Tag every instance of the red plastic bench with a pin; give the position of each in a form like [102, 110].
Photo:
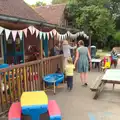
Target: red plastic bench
[54, 110]
[15, 111]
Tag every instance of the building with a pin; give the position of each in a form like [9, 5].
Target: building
[53, 14]
[17, 15]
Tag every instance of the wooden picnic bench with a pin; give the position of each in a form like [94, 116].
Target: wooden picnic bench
[111, 76]
[97, 86]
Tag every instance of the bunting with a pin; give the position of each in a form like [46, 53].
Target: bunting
[7, 33]
[42, 35]
[20, 33]
[37, 33]
[14, 34]
[1, 29]
[25, 32]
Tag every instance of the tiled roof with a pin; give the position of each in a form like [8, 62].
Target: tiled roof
[51, 13]
[19, 9]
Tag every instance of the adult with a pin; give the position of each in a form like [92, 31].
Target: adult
[114, 57]
[56, 49]
[66, 50]
[82, 56]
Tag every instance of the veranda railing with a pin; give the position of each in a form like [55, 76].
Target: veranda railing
[25, 77]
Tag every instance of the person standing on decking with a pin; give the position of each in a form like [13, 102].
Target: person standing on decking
[66, 51]
[56, 49]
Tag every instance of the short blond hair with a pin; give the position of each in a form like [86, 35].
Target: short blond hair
[69, 60]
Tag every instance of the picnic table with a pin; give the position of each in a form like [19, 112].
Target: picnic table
[111, 76]
[34, 104]
[97, 63]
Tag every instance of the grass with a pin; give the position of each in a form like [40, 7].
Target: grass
[101, 53]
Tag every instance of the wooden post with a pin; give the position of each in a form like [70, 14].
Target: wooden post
[41, 56]
[90, 43]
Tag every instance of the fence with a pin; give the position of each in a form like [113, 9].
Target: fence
[25, 77]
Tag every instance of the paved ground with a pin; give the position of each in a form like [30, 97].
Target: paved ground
[79, 104]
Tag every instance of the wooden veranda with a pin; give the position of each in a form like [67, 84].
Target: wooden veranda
[25, 77]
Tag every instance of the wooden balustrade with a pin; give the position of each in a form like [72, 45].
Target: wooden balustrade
[25, 77]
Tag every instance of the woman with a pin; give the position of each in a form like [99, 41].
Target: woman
[114, 57]
[56, 49]
[82, 55]
[66, 51]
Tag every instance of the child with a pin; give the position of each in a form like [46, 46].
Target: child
[69, 69]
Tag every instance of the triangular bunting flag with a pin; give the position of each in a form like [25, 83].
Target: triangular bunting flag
[59, 37]
[87, 37]
[20, 32]
[44, 35]
[40, 35]
[68, 33]
[34, 29]
[25, 32]
[51, 34]
[14, 33]
[37, 32]
[31, 29]
[63, 36]
[7, 33]
[1, 30]
[54, 32]
[48, 35]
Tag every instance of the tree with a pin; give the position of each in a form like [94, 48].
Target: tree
[38, 4]
[92, 17]
[59, 1]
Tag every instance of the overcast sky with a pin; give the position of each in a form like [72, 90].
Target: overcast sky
[31, 2]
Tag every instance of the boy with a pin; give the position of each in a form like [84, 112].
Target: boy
[69, 71]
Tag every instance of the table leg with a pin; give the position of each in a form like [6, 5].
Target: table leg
[113, 86]
[43, 85]
[35, 116]
[99, 90]
[54, 87]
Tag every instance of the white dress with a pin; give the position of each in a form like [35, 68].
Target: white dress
[66, 52]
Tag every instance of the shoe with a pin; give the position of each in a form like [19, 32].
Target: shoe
[68, 88]
[85, 84]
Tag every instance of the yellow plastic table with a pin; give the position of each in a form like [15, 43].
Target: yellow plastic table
[34, 104]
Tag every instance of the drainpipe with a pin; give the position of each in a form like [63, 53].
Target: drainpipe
[15, 19]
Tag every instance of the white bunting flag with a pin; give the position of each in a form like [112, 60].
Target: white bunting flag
[44, 35]
[25, 32]
[1, 30]
[68, 33]
[40, 35]
[51, 34]
[37, 32]
[7, 33]
[20, 32]
[34, 29]
[48, 35]
[54, 32]
[14, 34]
[31, 29]
[59, 37]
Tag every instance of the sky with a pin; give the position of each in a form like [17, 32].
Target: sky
[31, 2]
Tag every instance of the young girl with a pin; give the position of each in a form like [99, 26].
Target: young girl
[69, 71]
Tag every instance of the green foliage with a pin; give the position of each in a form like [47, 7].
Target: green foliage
[38, 4]
[117, 36]
[59, 1]
[92, 17]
